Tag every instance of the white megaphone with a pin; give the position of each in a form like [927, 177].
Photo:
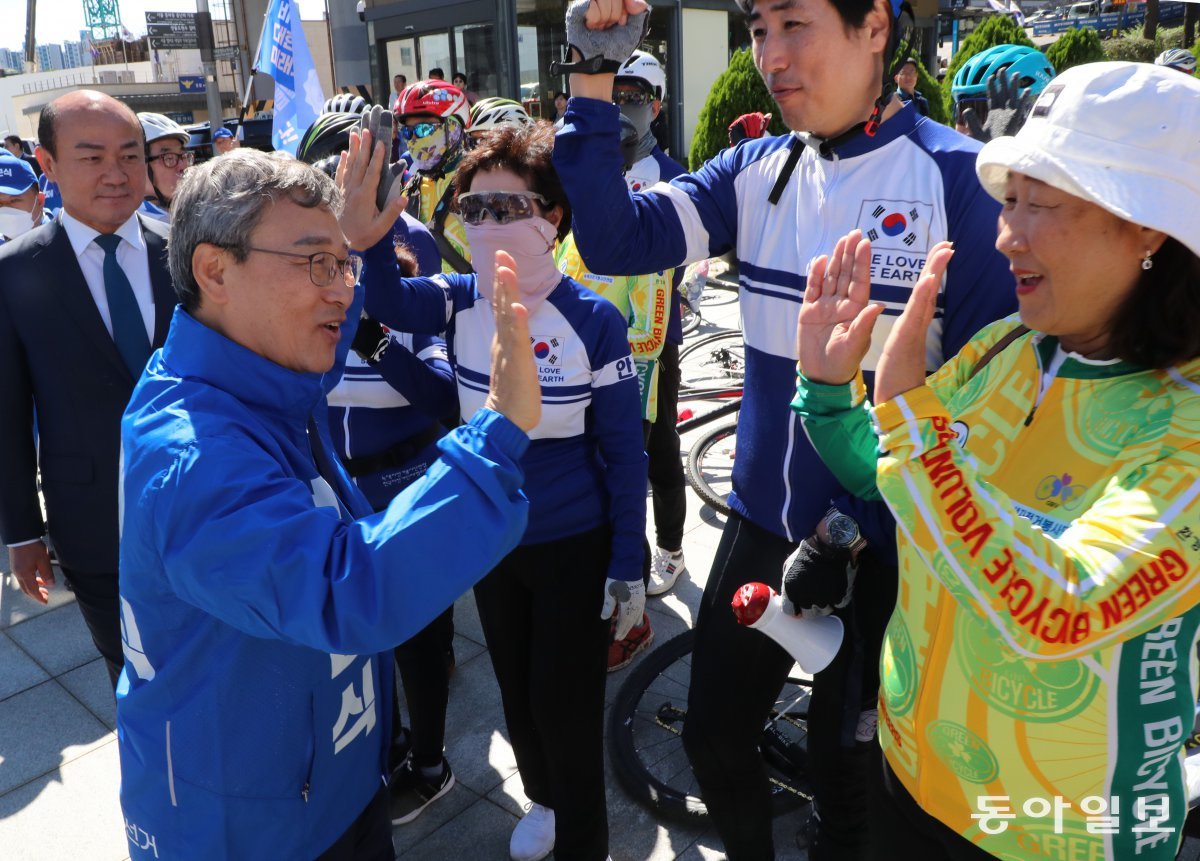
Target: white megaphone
[811, 642]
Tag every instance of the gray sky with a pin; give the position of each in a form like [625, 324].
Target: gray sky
[61, 20]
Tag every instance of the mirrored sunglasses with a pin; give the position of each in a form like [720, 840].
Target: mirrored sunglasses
[420, 130]
[503, 206]
[632, 97]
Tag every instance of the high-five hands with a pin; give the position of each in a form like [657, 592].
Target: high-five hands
[514, 391]
[358, 176]
[837, 318]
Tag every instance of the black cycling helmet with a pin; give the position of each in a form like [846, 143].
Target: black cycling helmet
[329, 135]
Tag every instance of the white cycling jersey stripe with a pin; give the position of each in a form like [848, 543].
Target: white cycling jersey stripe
[694, 232]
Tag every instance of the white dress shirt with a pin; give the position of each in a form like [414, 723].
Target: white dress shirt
[131, 255]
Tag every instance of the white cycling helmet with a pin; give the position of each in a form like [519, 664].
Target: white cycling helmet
[1177, 58]
[346, 103]
[497, 113]
[645, 68]
[156, 127]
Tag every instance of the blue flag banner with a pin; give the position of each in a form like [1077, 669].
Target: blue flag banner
[284, 56]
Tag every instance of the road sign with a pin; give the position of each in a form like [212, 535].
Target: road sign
[191, 84]
[226, 52]
[172, 30]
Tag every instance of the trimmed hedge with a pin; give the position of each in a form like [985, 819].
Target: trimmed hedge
[738, 90]
[1074, 48]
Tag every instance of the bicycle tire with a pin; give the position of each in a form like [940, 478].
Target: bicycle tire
[690, 320]
[719, 361]
[676, 796]
[694, 470]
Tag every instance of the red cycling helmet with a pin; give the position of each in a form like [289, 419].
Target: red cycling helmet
[434, 98]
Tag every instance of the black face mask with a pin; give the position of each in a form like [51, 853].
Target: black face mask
[629, 141]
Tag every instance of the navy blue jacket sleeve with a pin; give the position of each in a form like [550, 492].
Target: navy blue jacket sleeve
[242, 540]
[417, 237]
[422, 305]
[619, 232]
[427, 383]
[616, 420]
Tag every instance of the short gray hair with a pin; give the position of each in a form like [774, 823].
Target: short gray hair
[221, 201]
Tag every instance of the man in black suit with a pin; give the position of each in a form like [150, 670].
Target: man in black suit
[83, 301]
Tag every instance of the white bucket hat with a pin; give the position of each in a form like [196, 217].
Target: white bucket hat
[1124, 136]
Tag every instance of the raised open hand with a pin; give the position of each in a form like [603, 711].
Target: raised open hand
[902, 363]
[358, 177]
[834, 331]
[514, 391]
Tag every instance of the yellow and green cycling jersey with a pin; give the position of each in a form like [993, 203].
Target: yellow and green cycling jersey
[431, 191]
[643, 299]
[1038, 676]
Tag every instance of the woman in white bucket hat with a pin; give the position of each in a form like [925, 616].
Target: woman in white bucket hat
[1037, 682]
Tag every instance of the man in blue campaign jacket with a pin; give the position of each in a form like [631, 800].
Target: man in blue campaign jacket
[256, 609]
[858, 159]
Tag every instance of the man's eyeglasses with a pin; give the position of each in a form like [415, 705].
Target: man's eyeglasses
[323, 266]
[504, 207]
[171, 160]
[632, 97]
[420, 130]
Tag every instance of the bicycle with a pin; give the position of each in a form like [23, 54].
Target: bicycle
[646, 746]
[714, 361]
[708, 467]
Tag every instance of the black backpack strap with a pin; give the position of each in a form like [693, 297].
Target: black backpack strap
[437, 226]
[795, 148]
[996, 349]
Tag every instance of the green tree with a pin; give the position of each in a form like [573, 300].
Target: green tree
[738, 90]
[927, 85]
[1074, 48]
[994, 30]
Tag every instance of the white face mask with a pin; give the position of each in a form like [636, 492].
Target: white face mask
[14, 222]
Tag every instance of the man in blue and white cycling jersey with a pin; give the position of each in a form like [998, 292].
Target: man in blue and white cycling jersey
[857, 159]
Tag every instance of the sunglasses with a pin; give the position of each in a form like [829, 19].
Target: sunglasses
[632, 97]
[504, 207]
[420, 130]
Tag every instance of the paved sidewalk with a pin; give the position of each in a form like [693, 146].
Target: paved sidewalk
[58, 754]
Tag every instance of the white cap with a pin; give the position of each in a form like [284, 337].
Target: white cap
[1124, 136]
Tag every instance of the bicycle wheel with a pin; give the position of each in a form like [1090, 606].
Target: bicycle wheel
[646, 747]
[713, 362]
[691, 319]
[709, 467]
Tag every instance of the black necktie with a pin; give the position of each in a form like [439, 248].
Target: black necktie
[128, 327]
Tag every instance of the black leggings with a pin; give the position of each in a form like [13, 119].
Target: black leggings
[662, 448]
[421, 660]
[540, 609]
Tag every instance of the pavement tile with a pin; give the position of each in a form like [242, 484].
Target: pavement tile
[18, 671]
[446, 809]
[73, 813]
[52, 728]
[480, 833]
[91, 686]
[466, 618]
[58, 640]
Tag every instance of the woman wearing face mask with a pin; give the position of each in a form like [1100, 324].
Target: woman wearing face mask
[545, 607]
[20, 199]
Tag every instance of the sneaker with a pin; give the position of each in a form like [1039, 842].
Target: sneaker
[411, 792]
[622, 652]
[399, 750]
[533, 838]
[665, 569]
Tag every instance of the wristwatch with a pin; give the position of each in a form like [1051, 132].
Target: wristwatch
[840, 532]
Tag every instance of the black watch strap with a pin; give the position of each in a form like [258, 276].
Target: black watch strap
[597, 65]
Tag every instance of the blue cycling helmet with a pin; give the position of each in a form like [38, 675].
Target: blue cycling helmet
[1030, 63]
